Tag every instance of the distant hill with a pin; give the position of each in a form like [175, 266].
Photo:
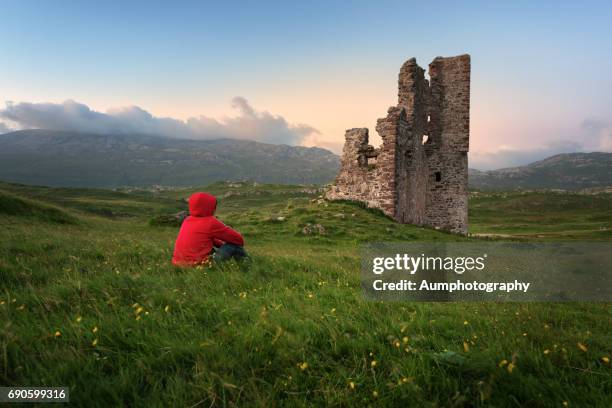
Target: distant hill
[72, 159]
[59, 158]
[570, 171]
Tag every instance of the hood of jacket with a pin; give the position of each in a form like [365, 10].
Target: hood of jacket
[202, 205]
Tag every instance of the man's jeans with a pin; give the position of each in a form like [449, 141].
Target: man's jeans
[229, 251]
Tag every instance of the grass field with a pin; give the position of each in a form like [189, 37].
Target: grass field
[89, 300]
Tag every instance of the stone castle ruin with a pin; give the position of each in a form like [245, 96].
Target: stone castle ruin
[419, 175]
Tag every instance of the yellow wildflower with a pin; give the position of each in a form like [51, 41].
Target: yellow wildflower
[78, 319]
[139, 310]
[373, 363]
[94, 343]
[465, 322]
[503, 363]
[397, 343]
[167, 308]
[605, 359]
[405, 340]
[375, 394]
[352, 385]
[303, 365]
[546, 351]
[510, 368]
[95, 329]
[58, 333]
[582, 346]
[466, 347]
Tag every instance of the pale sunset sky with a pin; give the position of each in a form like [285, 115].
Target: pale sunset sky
[302, 72]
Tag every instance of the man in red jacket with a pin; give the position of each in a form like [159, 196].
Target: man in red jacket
[201, 232]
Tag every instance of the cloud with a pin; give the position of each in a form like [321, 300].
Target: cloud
[4, 128]
[593, 135]
[598, 132]
[73, 116]
[314, 139]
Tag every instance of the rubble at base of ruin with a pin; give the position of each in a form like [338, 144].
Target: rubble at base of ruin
[419, 175]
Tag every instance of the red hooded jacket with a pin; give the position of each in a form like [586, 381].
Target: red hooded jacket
[201, 231]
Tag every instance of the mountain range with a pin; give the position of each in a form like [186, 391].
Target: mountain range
[61, 158]
[568, 171]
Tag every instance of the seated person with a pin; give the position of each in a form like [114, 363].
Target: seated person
[201, 232]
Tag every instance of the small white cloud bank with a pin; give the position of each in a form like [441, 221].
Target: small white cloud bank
[4, 128]
[599, 132]
[594, 134]
[249, 123]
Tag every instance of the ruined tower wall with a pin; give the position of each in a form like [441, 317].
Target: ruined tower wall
[368, 174]
[385, 192]
[354, 179]
[411, 162]
[419, 174]
[449, 111]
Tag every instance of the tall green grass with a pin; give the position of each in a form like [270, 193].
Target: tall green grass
[96, 306]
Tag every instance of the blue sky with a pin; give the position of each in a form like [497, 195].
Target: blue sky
[541, 71]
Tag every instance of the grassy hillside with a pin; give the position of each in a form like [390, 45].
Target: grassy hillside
[12, 205]
[96, 306]
[541, 215]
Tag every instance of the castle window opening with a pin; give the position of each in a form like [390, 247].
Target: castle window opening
[371, 163]
[438, 176]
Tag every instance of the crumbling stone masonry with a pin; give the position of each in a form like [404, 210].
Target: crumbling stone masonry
[419, 175]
